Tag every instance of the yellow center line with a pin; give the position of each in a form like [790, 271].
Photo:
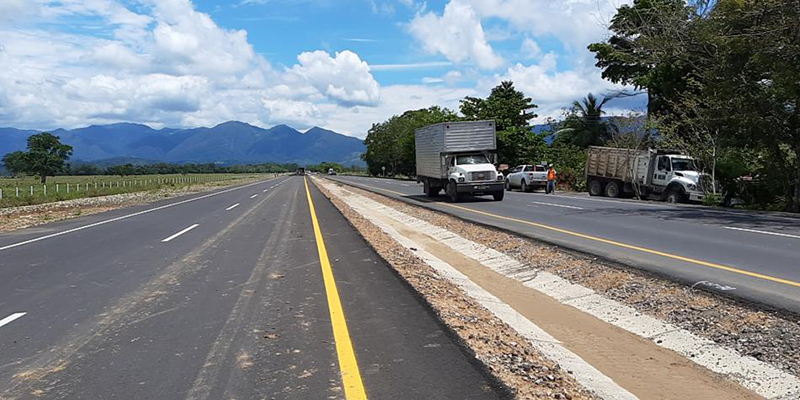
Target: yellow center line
[351, 377]
[615, 243]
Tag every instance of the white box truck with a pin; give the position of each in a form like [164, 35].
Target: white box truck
[668, 175]
[458, 157]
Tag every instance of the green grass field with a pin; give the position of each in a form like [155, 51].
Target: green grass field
[17, 191]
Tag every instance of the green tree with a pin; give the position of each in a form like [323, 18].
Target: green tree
[652, 47]
[512, 112]
[584, 125]
[16, 162]
[46, 156]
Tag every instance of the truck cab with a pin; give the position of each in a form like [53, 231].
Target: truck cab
[473, 173]
[677, 178]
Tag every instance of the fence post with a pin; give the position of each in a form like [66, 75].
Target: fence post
[68, 188]
[17, 191]
[44, 189]
[31, 190]
[56, 188]
[1, 193]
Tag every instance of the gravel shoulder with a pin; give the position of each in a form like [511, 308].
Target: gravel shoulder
[14, 218]
[766, 335]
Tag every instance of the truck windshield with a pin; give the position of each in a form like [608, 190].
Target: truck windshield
[684, 164]
[473, 159]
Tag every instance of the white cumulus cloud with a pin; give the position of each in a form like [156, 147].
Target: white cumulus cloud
[344, 78]
[457, 34]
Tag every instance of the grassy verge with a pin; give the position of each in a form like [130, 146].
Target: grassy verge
[17, 191]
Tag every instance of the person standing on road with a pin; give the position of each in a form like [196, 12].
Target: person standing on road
[551, 180]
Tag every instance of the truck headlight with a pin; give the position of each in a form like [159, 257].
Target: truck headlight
[692, 186]
[500, 177]
[461, 180]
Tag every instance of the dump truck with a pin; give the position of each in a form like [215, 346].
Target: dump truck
[301, 171]
[459, 158]
[665, 174]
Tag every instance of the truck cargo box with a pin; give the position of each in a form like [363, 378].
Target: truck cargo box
[615, 163]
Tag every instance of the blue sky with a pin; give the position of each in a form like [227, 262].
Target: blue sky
[340, 64]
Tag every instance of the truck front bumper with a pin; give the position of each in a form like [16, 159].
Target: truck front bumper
[480, 187]
[697, 196]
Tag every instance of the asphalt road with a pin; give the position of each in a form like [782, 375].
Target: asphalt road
[212, 296]
[754, 256]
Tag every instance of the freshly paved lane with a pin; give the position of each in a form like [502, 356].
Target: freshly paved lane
[755, 256]
[233, 308]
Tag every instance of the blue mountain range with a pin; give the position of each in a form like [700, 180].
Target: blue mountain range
[227, 143]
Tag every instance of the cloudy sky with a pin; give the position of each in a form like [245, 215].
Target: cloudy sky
[339, 64]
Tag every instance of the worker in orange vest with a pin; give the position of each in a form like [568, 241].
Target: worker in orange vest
[551, 180]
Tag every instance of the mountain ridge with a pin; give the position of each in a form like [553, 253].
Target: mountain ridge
[229, 142]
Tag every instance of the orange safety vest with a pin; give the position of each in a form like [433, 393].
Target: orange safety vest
[551, 175]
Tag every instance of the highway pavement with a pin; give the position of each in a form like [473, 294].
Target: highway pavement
[257, 291]
[749, 255]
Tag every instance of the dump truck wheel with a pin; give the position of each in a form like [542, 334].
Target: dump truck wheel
[595, 188]
[612, 189]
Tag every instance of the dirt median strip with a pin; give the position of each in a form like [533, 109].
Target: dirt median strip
[766, 335]
[502, 351]
[623, 350]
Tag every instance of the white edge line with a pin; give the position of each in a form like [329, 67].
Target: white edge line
[762, 232]
[557, 205]
[254, 196]
[180, 233]
[232, 207]
[11, 318]
[80, 228]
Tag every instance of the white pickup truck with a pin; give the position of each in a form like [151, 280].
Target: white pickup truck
[527, 178]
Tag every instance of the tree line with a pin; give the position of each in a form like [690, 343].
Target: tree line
[722, 80]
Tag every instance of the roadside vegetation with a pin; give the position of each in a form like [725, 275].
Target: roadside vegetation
[721, 78]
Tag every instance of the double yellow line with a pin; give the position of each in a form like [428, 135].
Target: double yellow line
[351, 377]
[614, 243]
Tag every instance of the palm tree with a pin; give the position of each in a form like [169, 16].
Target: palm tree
[584, 125]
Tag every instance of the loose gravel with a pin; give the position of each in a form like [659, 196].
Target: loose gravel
[13, 218]
[498, 348]
[766, 335]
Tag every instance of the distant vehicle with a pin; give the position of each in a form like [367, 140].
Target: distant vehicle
[331, 171]
[527, 178]
[458, 157]
[301, 171]
[669, 175]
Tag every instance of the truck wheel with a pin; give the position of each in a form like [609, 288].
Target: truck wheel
[498, 196]
[429, 190]
[674, 196]
[595, 188]
[452, 192]
[523, 187]
[612, 189]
